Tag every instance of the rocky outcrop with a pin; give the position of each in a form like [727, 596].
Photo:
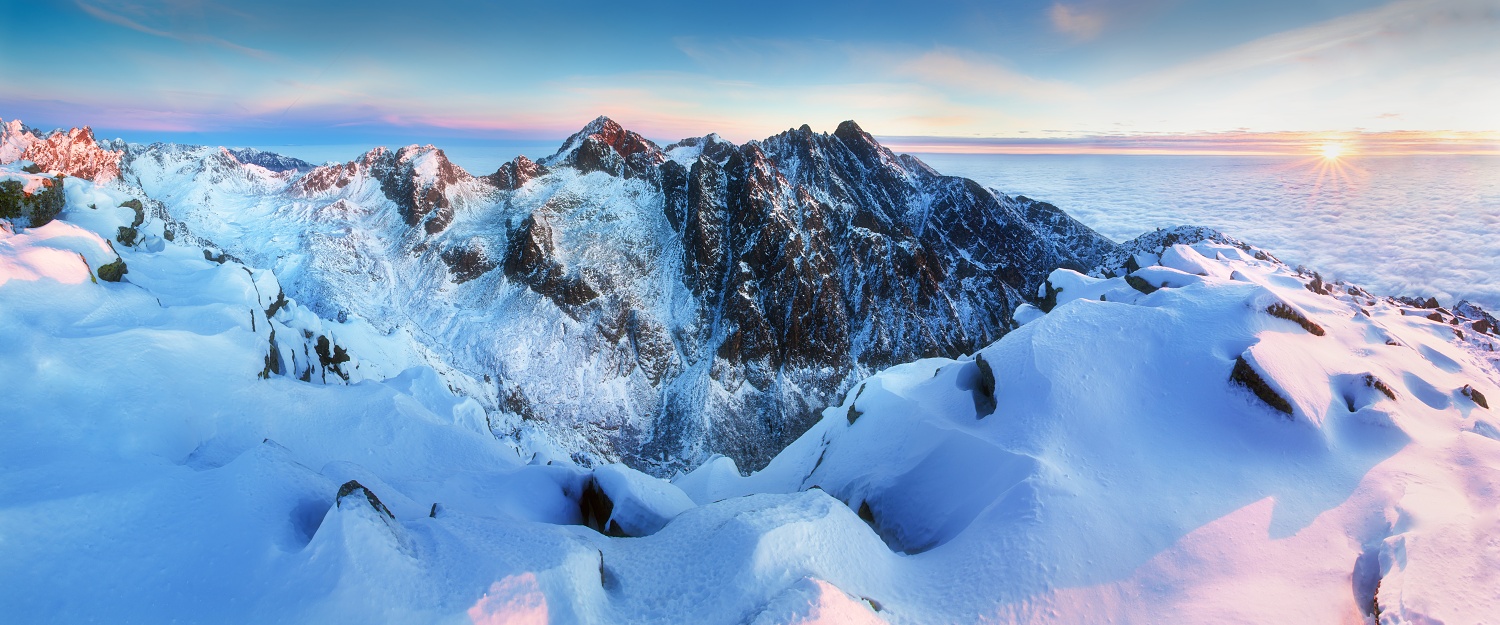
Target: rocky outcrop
[531, 259]
[515, 174]
[72, 153]
[270, 160]
[603, 145]
[415, 178]
[468, 261]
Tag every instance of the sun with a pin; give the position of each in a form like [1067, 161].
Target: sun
[1332, 151]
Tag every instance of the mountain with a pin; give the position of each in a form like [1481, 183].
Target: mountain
[74, 153]
[270, 160]
[626, 301]
[1190, 432]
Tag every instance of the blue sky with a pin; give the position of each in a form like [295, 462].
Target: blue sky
[275, 72]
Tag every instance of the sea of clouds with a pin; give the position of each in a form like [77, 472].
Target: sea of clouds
[1419, 225]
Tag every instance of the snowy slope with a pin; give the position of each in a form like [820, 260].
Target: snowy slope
[1111, 466]
[1107, 460]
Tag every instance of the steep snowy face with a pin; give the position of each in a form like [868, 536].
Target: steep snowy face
[72, 153]
[643, 304]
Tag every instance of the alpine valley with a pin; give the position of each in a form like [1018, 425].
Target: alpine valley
[799, 380]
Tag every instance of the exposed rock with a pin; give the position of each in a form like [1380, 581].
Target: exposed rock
[112, 272]
[468, 261]
[37, 208]
[73, 153]
[277, 304]
[604, 145]
[270, 160]
[353, 487]
[1477, 397]
[530, 260]
[515, 174]
[1140, 284]
[1245, 375]
[415, 178]
[1376, 383]
[595, 509]
[332, 358]
[1282, 310]
[854, 412]
[984, 388]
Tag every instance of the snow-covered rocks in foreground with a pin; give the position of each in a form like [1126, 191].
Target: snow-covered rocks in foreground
[1241, 444]
[1212, 437]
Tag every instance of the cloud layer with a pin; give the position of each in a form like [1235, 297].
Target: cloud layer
[1424, 225]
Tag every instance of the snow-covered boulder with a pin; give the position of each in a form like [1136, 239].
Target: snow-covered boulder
[622, 501]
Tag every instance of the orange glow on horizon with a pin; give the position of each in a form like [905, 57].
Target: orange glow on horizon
[1329, 146]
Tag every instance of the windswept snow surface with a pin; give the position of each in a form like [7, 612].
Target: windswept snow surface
[1099, 464]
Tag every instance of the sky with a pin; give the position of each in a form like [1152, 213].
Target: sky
[954, 75]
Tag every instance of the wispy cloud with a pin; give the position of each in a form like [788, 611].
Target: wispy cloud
[957, 70]
[1078, 23]
[126, 22]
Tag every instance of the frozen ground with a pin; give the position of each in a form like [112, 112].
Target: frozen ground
[1230, 448]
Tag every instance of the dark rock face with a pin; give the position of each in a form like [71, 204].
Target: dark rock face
[605, 146]
[353, 487]
[831, 256]
[1244, 374]
[468, 261]
[515, 174]
[270, 160]
[531, 260]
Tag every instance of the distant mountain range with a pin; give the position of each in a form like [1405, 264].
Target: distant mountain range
[632, 301]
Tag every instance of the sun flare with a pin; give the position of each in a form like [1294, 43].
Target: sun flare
[1332, 151]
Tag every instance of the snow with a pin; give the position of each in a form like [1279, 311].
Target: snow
[14, 139]
[1098, 464]
[642, 504]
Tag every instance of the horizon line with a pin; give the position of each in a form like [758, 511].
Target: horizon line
[1234, 143]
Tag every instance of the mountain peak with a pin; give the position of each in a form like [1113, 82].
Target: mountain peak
[74, 153]
[605, 145]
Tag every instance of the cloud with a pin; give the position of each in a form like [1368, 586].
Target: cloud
[955, 69]
[1079, 24]
[1407, 65]
[120, 20]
